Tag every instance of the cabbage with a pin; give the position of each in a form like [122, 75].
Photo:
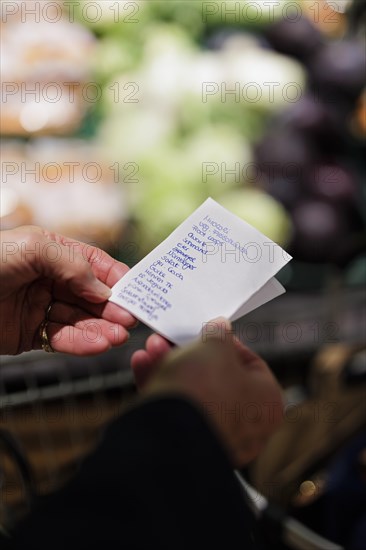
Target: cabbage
[262, 211]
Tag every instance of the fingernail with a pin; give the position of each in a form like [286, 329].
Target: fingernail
[222, 321]
[100, 289]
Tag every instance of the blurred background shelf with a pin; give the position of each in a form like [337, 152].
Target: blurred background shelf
[288, 332]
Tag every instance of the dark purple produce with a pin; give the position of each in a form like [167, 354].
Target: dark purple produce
[339, 70]
[332, 183]
[318, 122]
[284, 152]
[286, 190]
[319, 228]
[299, 39]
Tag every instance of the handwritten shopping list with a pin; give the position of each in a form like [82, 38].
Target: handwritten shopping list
[213, 264]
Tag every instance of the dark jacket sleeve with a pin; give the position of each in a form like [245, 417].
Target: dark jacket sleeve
[159, 480]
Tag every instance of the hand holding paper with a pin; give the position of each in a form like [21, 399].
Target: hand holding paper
[214, 264]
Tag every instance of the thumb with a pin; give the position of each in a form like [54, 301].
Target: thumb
[86, 285]
[219, 328]
[70, 268]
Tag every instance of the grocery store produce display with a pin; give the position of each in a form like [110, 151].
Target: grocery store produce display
[312, 155]
[261, 109]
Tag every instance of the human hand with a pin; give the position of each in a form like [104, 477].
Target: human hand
[145, 362]
[39, 267]
[230, 383]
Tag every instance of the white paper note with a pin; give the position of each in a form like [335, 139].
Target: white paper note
[214, 264]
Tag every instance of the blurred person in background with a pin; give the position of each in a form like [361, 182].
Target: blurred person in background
[163, 475]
